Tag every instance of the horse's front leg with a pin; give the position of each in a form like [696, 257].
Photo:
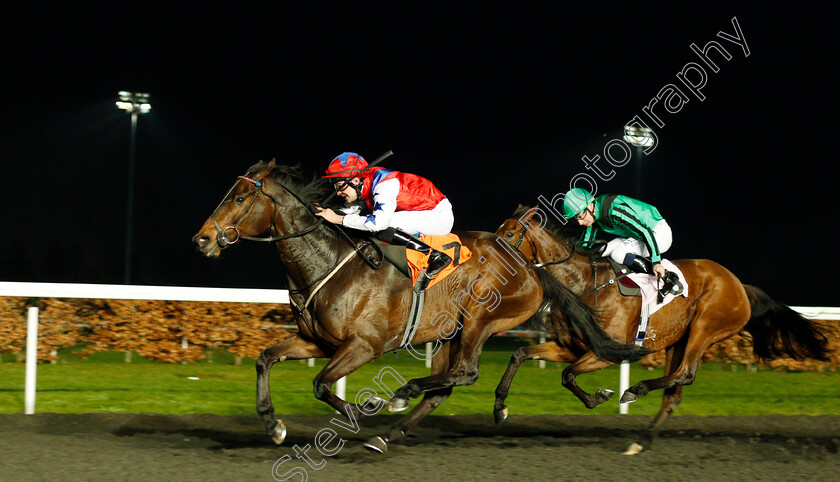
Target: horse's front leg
[549, 351]
[293, 348]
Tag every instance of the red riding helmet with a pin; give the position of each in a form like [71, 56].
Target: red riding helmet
[348, 164]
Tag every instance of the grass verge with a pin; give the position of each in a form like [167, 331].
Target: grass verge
[103, 383]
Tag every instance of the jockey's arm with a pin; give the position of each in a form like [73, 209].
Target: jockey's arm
[643, 232]
[384, 206]
[589, 234]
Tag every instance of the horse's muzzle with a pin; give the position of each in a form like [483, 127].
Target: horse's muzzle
[206, 245]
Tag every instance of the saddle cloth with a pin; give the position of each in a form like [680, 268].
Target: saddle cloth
[650, 289]
[449, 244]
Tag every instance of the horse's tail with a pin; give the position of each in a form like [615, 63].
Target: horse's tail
[779, 331]
[558, 298]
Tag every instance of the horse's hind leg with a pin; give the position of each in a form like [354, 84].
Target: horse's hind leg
[465, 353]
[586, 364]
[670, 400]
[293, 348]
[704, 331]
[353, 353]
[430, 401]
[549, 351]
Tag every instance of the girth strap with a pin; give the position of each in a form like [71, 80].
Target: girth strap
[412, 325]
[641, 331]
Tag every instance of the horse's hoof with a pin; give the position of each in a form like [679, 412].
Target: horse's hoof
[633, 449]
[278, 433]
[397, 405]
[374, 402]
[628, 397]
[501, 415]
[377, 444]
[605, 393]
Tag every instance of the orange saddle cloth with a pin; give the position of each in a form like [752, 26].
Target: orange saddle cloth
[449, 244]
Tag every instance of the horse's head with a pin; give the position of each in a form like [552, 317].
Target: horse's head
[515, 231]
[246, 210]
[535, 235]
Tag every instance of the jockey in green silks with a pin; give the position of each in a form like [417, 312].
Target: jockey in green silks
[642, 233]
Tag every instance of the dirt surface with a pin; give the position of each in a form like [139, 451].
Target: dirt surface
[551, 447]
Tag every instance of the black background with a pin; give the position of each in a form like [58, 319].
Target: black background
[496, 105]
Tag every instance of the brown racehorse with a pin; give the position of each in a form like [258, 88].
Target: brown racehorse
[717, 307]
[350, 312]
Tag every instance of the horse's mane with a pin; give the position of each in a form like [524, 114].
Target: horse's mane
[563, 232]
[309, 187]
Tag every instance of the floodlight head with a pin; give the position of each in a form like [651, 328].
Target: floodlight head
[134, 102]
[639, 136]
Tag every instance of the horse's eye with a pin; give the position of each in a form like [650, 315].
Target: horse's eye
[508, 234]
[240, 199]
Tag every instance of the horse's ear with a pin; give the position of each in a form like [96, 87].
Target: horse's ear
[264, 170]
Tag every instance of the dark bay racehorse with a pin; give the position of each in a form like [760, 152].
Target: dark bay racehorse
[350, 312]
[717, 307]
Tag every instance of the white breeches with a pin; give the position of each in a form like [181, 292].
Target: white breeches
[435, 222]
[618, 248]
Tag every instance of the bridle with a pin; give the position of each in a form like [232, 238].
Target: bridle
[224, 239]
[534, 248]
[522, 238]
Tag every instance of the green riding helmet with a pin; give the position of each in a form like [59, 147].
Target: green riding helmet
[576, 200]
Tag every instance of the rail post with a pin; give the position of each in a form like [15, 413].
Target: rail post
[31, 360]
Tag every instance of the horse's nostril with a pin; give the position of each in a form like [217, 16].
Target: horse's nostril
[201, 241]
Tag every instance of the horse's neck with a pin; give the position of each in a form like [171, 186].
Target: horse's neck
[306, 257]
[577, 270]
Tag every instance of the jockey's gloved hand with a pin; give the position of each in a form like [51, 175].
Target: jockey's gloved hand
[659, 270]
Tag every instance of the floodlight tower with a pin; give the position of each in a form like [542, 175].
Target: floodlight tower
[641, 137]
[135, 103]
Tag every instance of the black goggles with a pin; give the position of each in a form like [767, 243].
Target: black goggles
[341, 183]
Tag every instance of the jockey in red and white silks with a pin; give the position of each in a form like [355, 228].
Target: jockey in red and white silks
[395, 199]
[402, 206]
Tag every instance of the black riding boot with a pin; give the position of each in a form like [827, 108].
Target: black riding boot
[437, 259]
[640, 264]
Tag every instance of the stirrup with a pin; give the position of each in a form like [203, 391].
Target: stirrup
[671, 284]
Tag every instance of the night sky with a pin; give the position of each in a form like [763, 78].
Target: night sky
[496, 105]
